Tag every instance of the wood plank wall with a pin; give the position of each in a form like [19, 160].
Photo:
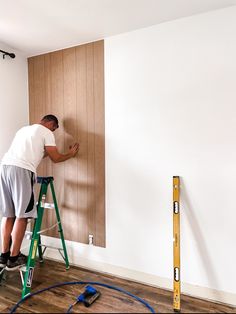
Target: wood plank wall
[70, 84]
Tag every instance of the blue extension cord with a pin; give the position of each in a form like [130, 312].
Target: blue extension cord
[82, 283]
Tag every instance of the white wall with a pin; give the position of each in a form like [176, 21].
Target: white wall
[171, 110]
[13, 96]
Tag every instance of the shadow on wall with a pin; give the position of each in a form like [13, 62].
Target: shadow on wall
[70, 126]
[83, 182]
[199, 239]
[80, 209]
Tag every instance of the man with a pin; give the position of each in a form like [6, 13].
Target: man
[17, 177]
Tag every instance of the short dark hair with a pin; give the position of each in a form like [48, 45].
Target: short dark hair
[51, 117]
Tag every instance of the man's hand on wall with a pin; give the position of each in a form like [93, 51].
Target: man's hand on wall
[74, 149]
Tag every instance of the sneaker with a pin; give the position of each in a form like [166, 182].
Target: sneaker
[21, 261]
[3, 261]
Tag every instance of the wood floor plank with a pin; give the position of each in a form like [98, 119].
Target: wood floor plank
[59, 299]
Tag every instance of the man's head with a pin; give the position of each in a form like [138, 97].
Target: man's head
[50, 122]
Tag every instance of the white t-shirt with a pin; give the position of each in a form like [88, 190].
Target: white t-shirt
[27, 148]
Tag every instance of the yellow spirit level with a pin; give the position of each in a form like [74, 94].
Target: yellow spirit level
[176, 243]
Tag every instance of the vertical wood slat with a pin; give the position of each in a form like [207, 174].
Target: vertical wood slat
[81, 86]
[57, 108]
[99, 149]
[31, 90]
[91, 139]
[70, 133]
[71, 85]
[39, 97]
[48, 215]
[48, 97]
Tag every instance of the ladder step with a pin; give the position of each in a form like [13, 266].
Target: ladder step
[28, 235]
[51, 247]
[47, 205]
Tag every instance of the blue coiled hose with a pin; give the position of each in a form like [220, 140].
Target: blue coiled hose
[82, 283]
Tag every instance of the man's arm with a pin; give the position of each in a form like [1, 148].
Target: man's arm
[55, 156]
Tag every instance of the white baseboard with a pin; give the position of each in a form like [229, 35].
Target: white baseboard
[145, 278]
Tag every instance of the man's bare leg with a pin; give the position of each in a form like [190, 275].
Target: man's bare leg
[18, 233]
[6, 230]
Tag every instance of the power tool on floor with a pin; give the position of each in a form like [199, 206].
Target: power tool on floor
[89, 296]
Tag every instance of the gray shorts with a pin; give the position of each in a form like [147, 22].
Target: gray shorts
[16, 192]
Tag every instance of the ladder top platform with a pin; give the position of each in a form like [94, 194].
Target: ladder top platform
[44, 180]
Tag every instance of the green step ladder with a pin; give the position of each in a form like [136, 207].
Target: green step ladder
[28, 271]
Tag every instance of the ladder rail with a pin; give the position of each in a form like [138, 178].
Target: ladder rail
[36, 244]
[60, 229]
[28, 276]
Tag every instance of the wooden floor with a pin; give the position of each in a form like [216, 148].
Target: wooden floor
[59, 299]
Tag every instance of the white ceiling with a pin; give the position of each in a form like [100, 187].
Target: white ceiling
[39, 26]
